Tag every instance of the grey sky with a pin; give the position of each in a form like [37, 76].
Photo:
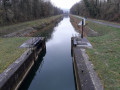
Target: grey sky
[64, 4]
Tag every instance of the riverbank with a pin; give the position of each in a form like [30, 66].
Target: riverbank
[105, 54]
[26, 28]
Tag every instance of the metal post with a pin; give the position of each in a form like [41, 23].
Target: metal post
[82, 28]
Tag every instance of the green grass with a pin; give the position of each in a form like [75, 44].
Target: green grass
[21, 26]
[116, 23]
[10, 51]
[105, 55]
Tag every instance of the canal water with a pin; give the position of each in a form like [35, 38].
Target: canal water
[54, 69]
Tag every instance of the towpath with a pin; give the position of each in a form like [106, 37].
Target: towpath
[103, 23]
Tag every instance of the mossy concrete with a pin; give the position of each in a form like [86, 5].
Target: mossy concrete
[13, 76]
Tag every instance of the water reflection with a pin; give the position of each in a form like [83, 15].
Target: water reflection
[66, 15]
[56, 70]
[38, 65]
[47, 31]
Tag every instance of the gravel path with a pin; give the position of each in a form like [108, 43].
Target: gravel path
[103, 23]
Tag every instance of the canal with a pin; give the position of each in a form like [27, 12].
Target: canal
[54, 69]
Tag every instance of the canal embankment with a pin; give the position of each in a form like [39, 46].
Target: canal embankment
[13, 76]
[28, 28]
[105, 54]
[86, 77]
[10, 51]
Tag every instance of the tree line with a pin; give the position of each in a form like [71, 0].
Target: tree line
[12, 11]
[100, 9]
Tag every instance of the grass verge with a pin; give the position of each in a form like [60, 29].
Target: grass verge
[10, 51]
[22, 26]
[106, 55]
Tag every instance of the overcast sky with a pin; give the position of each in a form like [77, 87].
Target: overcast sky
[64, 4]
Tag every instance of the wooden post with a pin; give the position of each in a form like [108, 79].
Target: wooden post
[82, 28]
[72, 46]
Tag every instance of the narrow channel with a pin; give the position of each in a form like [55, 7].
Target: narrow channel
[54, 69]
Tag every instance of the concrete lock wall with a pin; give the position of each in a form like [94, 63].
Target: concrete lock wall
[16, 72]
[85, 76]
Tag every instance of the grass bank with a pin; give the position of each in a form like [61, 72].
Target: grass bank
[10, 51]
[40, 23]
[105, 54]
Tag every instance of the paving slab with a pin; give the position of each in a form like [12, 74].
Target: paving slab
[82, 42]
[31, 42]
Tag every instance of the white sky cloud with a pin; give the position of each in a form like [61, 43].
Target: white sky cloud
[64, 4]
